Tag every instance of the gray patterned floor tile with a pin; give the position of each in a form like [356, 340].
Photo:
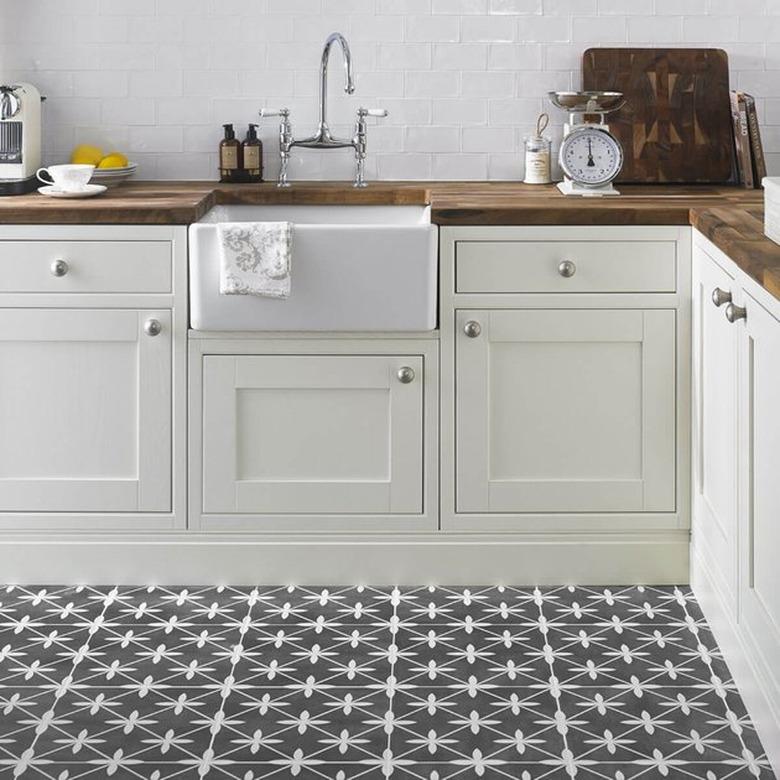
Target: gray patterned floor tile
[342, 683]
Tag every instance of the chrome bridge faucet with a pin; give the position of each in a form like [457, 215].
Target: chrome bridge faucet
[323, 139]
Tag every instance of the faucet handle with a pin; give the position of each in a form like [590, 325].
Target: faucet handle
[283, 112]
[362, 112]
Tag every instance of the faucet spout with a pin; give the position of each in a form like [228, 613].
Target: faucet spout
[349, 82]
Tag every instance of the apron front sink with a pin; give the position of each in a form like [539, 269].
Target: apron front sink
[354, 268]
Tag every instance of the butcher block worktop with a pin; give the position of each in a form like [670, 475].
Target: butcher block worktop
[732, 218]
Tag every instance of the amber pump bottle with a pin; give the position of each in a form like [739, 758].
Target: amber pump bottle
[229, 156]
[252, 150]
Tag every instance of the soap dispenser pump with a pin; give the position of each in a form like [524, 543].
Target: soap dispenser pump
[229, 156]
[252, 152]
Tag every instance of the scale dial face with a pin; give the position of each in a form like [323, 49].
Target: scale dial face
[591, 156]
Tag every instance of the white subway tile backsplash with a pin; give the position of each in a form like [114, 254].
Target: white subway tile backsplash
[460, 56]
[653, 28]
[463, 80]
[488, 139]
[705, 29]
[487, 84]
[545, 29]
[432, 29]
[460, 111]
[128, 111]
[156, 83]
[516, 6]
[431, 83]
[460, 167]
[594, 29]
[459, 6]
[433, 139]
[155, 138]
[488, 28]
[515, 56]
[404, 56]
[95, 83]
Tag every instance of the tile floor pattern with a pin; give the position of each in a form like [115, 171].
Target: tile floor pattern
[344, 683]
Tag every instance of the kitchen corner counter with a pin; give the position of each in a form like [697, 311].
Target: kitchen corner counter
[731, 217]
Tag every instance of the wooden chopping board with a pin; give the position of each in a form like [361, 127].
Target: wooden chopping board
[676, 125]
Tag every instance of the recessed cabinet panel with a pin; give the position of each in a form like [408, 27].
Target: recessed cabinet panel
[715, 425]
[85, 411]
[565, 411]
[759, 470]
[312, 434]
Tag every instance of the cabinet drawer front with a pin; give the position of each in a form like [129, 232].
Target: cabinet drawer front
[535, 266]
[312, 434]
[85, 266]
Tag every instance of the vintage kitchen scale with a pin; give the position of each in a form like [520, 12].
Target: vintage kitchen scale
[590, 156]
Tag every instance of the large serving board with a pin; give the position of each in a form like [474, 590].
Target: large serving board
[676, 125]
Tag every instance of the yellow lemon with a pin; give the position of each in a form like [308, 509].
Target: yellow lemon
[86, 155]
[113, 160]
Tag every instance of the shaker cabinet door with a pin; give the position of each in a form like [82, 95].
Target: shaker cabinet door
[312, 434]
[715, 425]
[759, 479]
[85, 410]
[565, 411]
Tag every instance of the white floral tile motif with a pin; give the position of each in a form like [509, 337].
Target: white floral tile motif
[340, 683]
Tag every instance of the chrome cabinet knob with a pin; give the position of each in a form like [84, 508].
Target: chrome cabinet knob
[405, 375]
[567, 269]
[152, 328]
[719, 297]
[59, 268]
[734, 313]
[472, 329]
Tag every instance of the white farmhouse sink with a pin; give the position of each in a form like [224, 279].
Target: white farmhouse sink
[354, 268]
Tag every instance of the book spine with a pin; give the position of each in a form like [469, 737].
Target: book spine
[745, 141]
[756, 147]
[734, 101]
[741, 142]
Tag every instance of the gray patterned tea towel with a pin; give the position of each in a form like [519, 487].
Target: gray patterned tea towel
[255, 258]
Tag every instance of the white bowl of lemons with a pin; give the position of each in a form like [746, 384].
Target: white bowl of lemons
[112, 168]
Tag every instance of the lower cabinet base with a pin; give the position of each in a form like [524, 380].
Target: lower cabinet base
[751, 672]
[613, 559]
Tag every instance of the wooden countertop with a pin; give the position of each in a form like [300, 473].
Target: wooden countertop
[732, 218]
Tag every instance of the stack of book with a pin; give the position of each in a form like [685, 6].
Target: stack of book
[751, 165]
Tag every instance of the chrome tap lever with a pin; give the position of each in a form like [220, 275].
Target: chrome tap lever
[285, 140]
[360, 142]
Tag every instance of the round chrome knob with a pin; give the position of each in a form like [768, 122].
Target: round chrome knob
[59, 268]
[567, 269]
[472, 329]
[152, 328]
[734, 313]
[405, 375]
[719, 297]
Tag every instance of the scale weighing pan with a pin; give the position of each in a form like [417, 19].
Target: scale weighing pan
[588, 102]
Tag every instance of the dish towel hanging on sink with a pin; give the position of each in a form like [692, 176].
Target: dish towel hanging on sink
[255, 258]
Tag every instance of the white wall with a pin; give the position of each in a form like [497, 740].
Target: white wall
[463, 79]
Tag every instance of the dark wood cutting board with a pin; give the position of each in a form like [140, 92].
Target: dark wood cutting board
[676, 125]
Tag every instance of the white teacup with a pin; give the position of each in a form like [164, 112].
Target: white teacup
[67, 178]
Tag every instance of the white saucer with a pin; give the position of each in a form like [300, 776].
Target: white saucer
[89, 191]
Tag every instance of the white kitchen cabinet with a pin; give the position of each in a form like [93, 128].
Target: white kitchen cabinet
[92, 397]
[715, 423]
[565, 410]
[759, 479]
[313, 439]
[736, 507]
[85, 410]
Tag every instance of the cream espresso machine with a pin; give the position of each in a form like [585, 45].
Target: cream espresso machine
[20, 138]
